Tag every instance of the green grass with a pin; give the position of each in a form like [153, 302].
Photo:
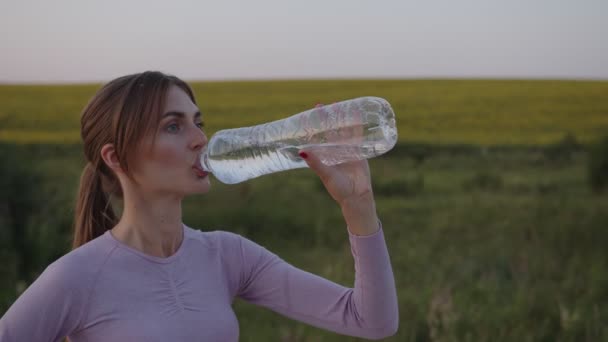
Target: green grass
[493, 231]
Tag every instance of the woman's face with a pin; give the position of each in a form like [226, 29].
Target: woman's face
[171, 165]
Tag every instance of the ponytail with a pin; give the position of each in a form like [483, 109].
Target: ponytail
[94, 214]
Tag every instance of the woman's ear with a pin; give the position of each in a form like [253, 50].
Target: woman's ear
[108, 154]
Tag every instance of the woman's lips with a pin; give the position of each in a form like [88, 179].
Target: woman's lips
[199, 172]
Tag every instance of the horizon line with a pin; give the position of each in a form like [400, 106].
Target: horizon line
[316, 78]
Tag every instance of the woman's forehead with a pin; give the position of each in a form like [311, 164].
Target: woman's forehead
[179, 101]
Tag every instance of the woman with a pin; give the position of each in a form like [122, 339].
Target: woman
[146, 276]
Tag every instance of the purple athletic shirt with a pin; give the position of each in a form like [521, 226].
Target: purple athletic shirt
[107, 291]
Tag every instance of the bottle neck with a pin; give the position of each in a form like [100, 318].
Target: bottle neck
[205, 159]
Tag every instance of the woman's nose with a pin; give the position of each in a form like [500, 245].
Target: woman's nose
[198, 139]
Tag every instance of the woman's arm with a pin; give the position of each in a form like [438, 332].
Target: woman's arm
[367, 310]
[48, 310]
[370, 308]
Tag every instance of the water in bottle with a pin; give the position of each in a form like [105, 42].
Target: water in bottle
[345, 131]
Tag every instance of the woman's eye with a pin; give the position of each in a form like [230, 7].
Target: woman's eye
[200, 125]
[172, 128]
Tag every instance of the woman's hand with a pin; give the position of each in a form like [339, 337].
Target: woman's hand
[346, 183]
[349, 184]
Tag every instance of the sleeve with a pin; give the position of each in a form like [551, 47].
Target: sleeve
[48, 310]
[369, 310]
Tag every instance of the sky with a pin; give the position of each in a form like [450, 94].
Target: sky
[80, 41]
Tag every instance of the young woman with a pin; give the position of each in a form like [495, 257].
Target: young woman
[146, 276]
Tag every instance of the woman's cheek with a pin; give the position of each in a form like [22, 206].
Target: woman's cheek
[167, 152]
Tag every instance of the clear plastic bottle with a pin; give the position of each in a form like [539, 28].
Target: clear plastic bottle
[356, 129]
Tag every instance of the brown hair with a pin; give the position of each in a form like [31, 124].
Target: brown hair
[122, 112]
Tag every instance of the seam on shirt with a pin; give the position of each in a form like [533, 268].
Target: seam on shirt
[225, 270]
[357, 263]
[199, 236]
[239, 291]
[85, 312]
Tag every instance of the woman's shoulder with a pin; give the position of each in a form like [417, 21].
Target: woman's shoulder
[214, 239]
[81, 264]
[228, 243]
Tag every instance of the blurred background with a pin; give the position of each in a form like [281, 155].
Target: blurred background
[494, 201]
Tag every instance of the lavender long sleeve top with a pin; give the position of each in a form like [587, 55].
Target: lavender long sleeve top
[108, 291]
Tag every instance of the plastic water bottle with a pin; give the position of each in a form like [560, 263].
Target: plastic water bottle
[345, 131]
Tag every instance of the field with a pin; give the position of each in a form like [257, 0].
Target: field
[448, 112]
[492, 227]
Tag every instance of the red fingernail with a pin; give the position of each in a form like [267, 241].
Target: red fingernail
[303, 155]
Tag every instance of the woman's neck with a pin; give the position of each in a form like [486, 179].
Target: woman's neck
[152, 225]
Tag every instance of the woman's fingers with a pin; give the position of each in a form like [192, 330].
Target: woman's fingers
[322, 170]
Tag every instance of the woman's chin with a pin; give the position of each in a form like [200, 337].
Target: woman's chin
[202, 186]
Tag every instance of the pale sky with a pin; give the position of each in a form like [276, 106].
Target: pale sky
[92, 41]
